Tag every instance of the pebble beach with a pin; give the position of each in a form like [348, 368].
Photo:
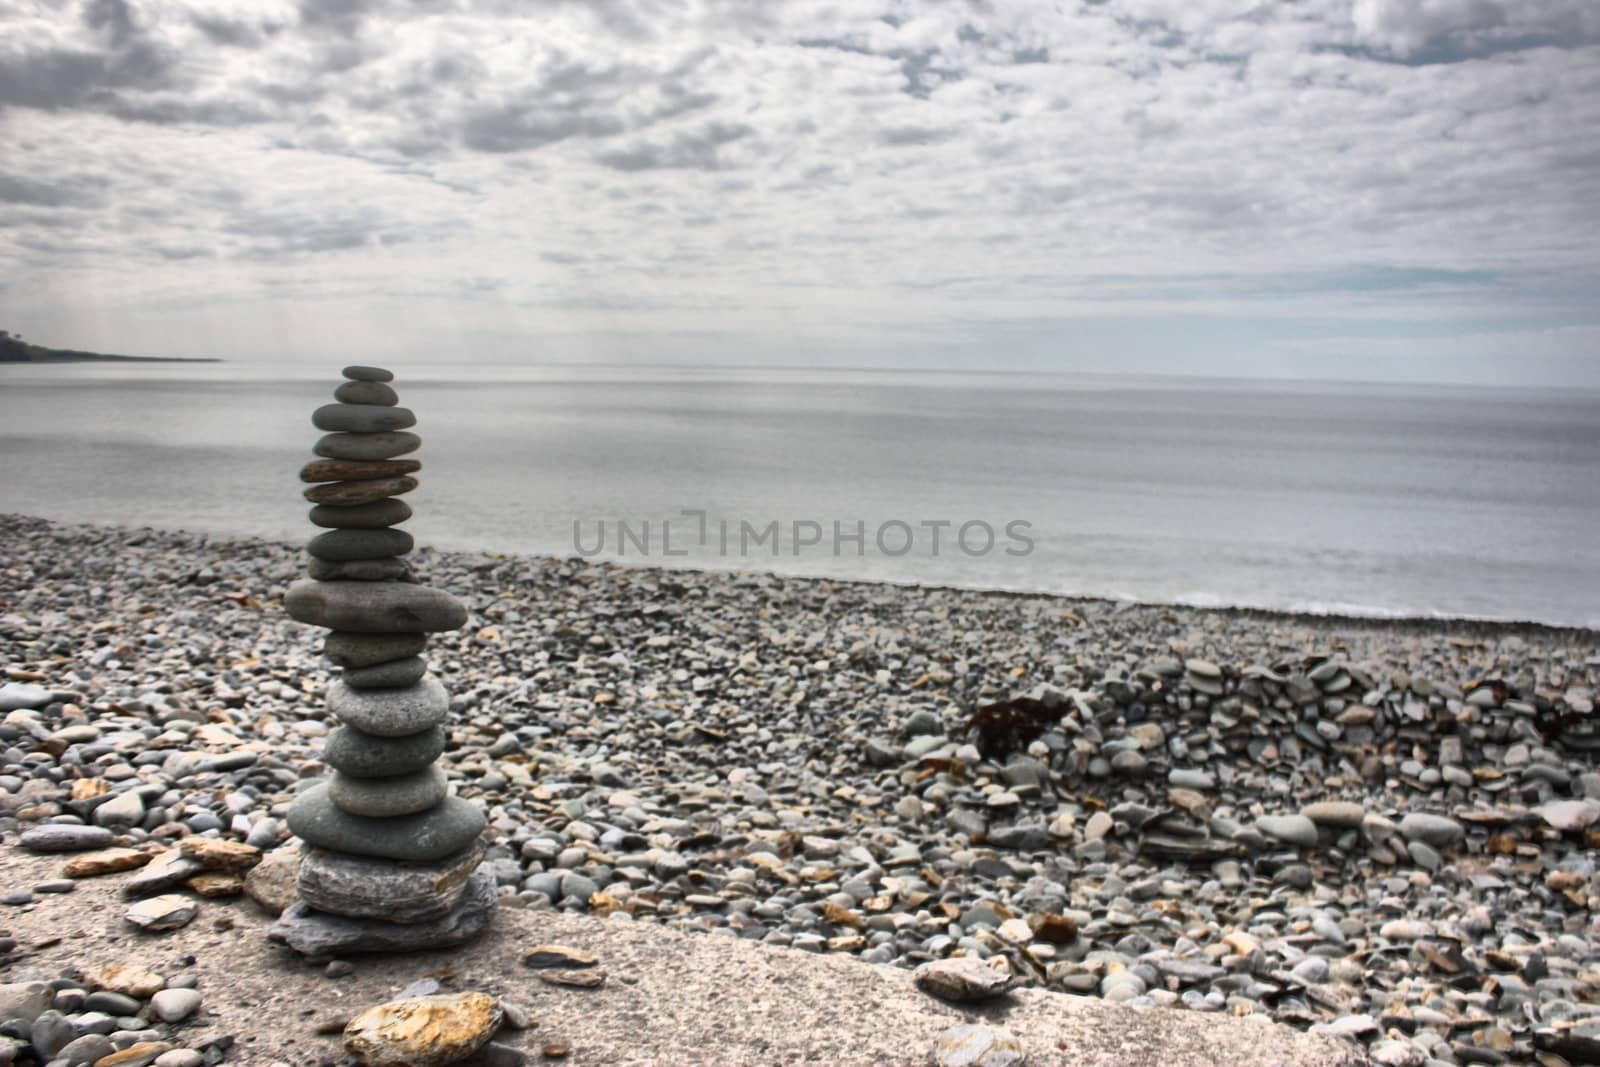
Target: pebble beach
[1380, 830]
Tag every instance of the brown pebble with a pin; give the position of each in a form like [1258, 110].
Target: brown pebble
[555, 1050]
[214, 884]
[344, 470]
[575, 979]
[364, 491]
[105, 861]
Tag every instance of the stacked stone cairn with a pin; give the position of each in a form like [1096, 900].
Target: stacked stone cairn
[393, 861]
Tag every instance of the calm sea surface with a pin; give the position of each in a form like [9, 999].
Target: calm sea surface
[1363, 499]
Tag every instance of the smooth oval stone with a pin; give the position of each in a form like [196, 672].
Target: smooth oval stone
[349, 470]
[365, 491]
[358, 650]
[384, 798]
[356, 372]
[374, 607]
[361, 570]
[372, 516]
[391, 675]
[430, 835]
[366, 392]
[391, 712]
[362, 418]
[340, 546]
[363, 887]
[351, 752]
[366, 445]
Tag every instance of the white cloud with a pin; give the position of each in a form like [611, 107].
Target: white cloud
[739, 180]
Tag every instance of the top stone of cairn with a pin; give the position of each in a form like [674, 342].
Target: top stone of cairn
[358, 373]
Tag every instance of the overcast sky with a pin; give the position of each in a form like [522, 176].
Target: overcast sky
[1390, 189]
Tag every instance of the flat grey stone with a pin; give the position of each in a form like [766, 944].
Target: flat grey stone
[372, 516]
[339, 546]
[395, 674]
[422, 838]
[1290, 829]
[363, 888]
[167, 871]
[366, 445]
[16, 696]
[366, 392]
[362, 418]
[374, 607]
[358, 372]
[349, 751]
[64, 837]
[391, 712]
[1440, 831]
[382, 798]
[355, 650]
[362, 570]
[315, 933]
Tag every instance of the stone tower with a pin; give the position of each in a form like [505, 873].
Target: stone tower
[392, 859]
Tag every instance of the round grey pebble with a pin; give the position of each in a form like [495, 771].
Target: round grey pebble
[370, 516]
[349, 751]
[395, 674]
[391, 712]
[366, 392]
[362, 418]
[380, 798]
[366, 650]
[431, 835]
[366, 446]
[341, 546]
[358, 372]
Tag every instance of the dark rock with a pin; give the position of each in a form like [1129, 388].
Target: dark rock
[374, 607]
[421, 838]
[357, 650]
[340, 546]
[395, 674]
[362, 418]
[391, 712]
[314, 933]
[360, 755]
[370, 516]
[366, 446]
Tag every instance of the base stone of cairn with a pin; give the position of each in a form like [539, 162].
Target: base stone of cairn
[393, 862]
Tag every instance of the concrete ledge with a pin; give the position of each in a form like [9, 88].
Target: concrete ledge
[669, 997]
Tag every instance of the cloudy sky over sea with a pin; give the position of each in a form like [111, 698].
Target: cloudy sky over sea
[1384, 189]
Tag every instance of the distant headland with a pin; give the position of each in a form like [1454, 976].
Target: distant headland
[14, 349]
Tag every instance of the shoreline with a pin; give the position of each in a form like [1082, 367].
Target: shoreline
[1383, 832]
[1372, 618]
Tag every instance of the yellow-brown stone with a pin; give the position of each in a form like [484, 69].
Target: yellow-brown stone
[423, 1031]
[89, 788]
[127, 979]
[219, 855]
[142, 1053]
[105, 861]
[217, 884]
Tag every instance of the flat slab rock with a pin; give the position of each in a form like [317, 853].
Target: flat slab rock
[363, 888]
[315, 933]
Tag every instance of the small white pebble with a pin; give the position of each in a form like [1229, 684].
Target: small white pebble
[180, 1057]
[175, 1005]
